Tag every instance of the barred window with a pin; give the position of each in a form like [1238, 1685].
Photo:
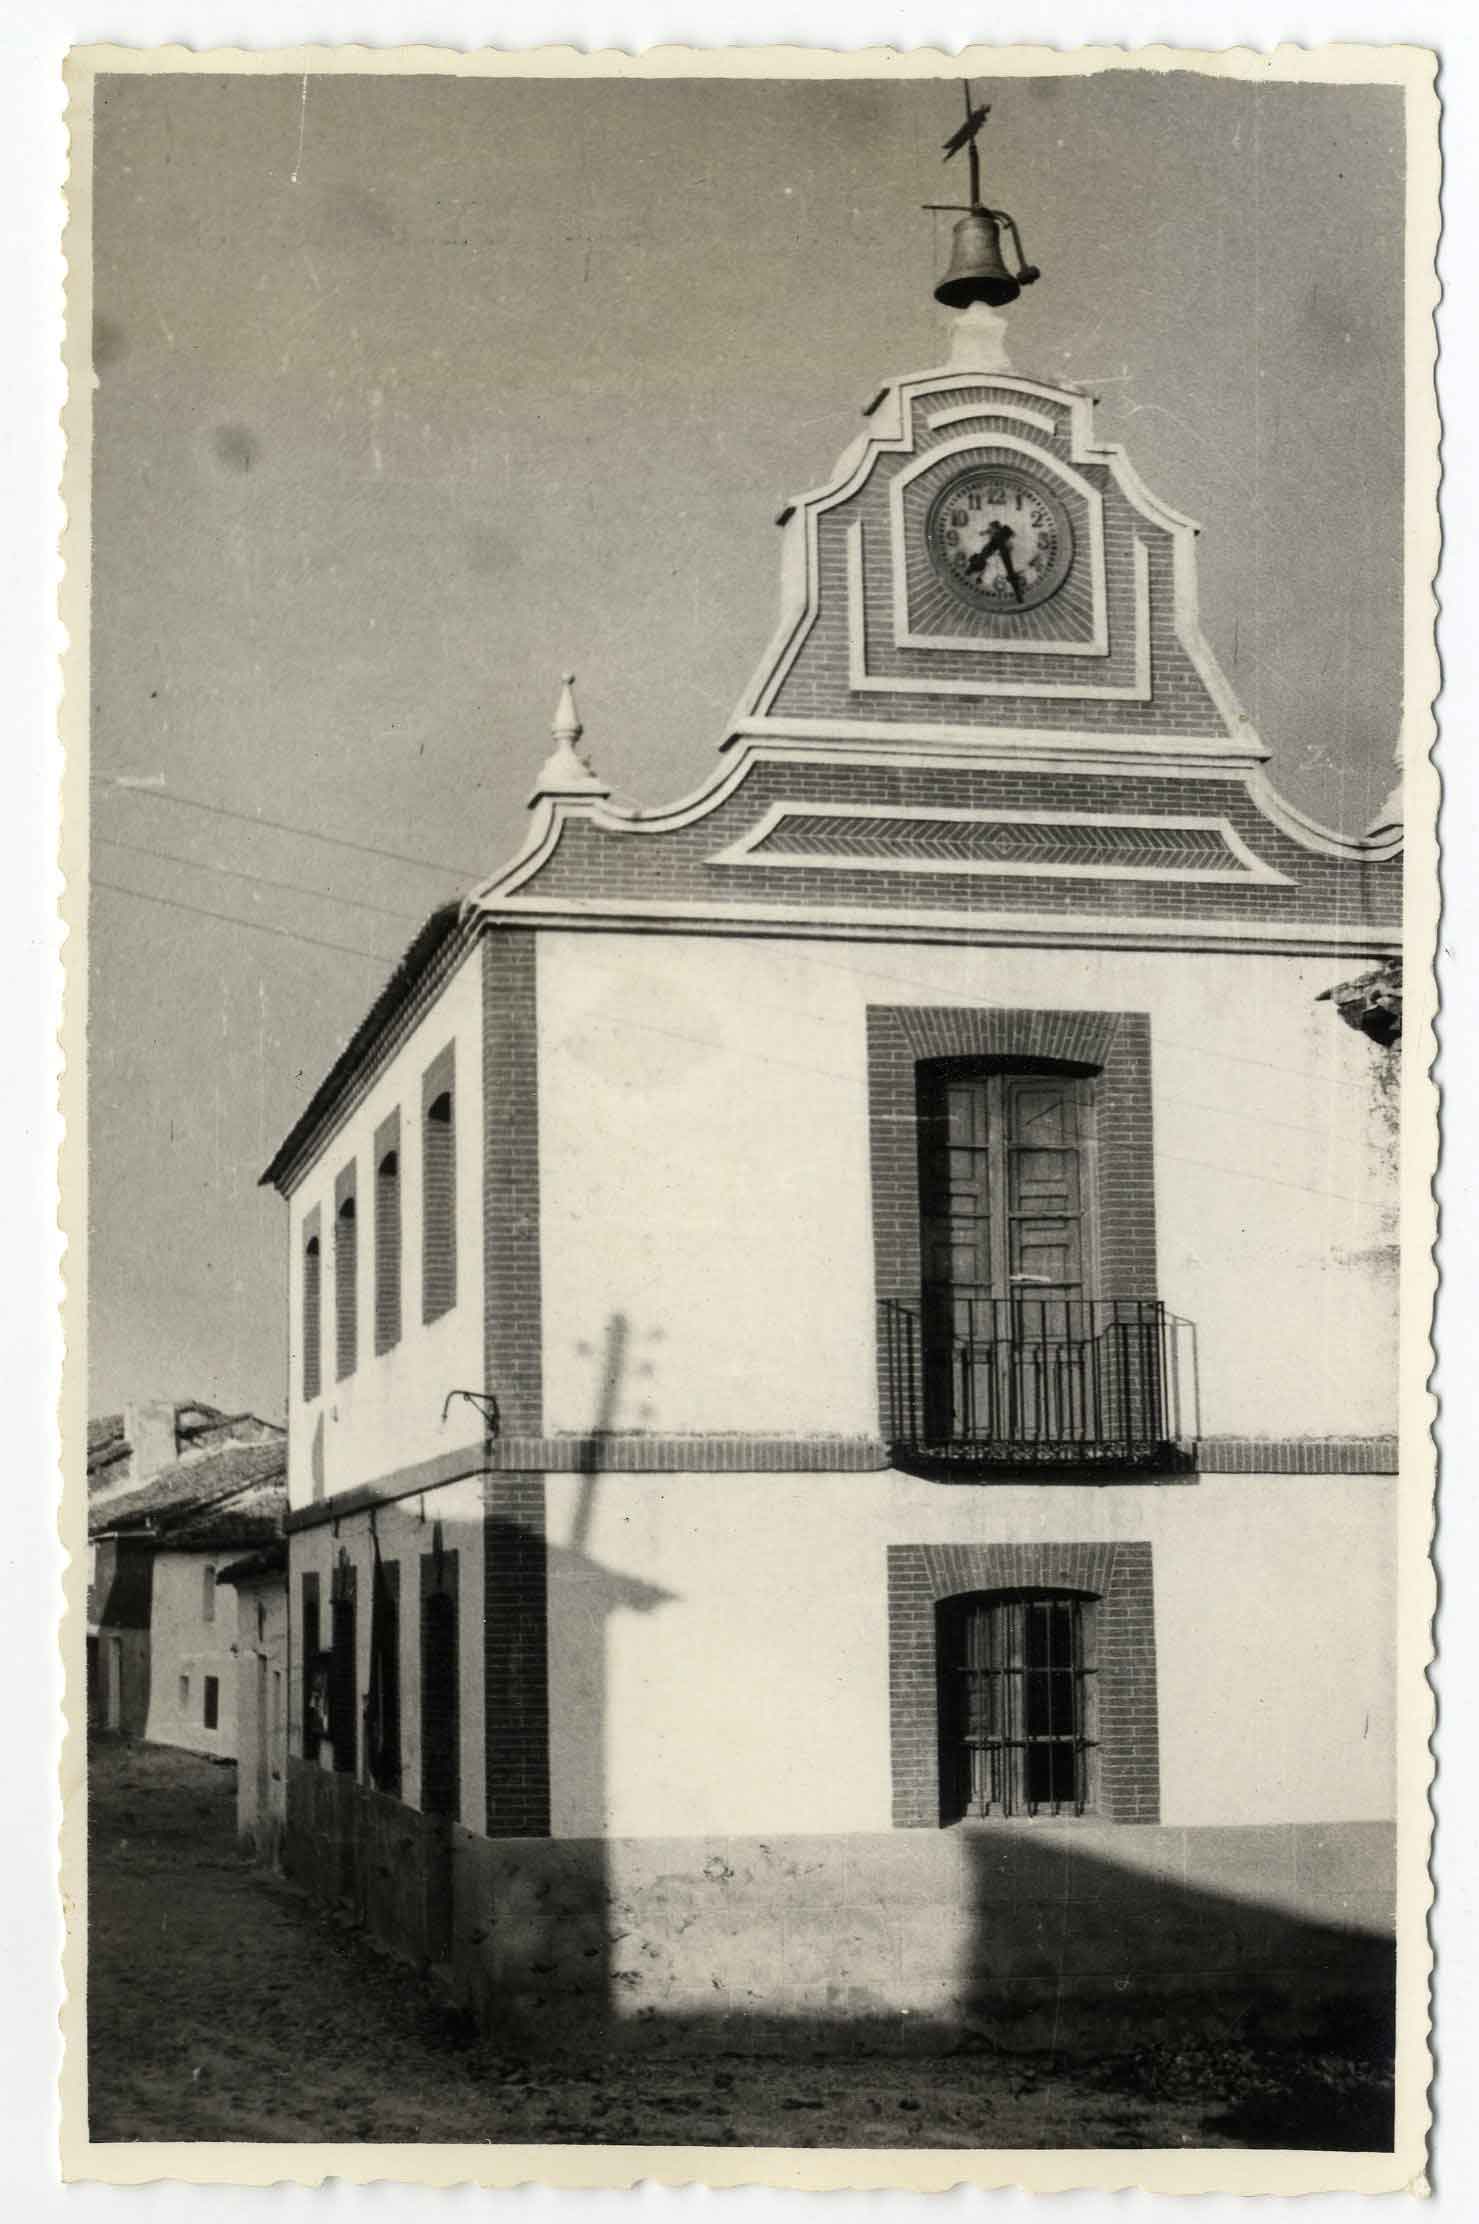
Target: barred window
[438, 1189]
[1017, 1711]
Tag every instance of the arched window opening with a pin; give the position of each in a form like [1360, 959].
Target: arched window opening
[388, 1235]
[346, 1286]
[438, 1191]
[312, 1317]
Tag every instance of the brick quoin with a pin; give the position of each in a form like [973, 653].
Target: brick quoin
[1119, 1576]
[513, 1361]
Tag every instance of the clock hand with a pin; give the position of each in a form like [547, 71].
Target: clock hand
[994, 542]
[1010, 568]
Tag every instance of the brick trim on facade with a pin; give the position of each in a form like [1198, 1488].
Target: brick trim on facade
[1119, 1576]
[512, 1310]
[1114, 1046]
[780, 1455]
[516, 1657]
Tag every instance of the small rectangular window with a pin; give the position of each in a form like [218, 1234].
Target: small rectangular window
[346, 1273]
[1016, 1677]
[438, 1188]
[207, 1594]
[313, 1299]
[388, 1233]
[184, 1694]
[212, 1702]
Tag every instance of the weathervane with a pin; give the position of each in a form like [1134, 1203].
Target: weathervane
[977, 271]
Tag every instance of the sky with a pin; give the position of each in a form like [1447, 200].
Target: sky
[414, 393]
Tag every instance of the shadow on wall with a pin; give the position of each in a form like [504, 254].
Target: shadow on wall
[1071, 1937]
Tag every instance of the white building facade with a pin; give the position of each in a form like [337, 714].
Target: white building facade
[843, 1334]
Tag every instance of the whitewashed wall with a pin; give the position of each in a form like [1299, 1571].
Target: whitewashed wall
[387, 1415]
[719, 1644]
[183, 1643]
[261, 1674]
[704, 1159]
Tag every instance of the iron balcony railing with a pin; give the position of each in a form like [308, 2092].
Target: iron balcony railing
[975, 1382]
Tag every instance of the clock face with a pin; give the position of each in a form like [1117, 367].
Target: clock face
[999, 540]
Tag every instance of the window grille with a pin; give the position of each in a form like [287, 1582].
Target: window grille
[388, 1235]
[438, 1189]
[312, 1314]
[1016, 1703]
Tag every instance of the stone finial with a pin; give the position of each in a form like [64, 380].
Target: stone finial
[978, 340]
[566, 772]
[567, 726]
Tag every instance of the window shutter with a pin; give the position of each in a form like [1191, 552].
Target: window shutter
[342, 1670]
[346, 1273]
[438, 1188]
[312, 1646]
[312, 1308]
[388, 1233]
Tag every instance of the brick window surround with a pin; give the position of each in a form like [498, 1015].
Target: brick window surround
[1119, 1576]
[1113, 1047]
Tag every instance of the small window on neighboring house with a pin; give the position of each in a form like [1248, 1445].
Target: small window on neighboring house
[313, 1298]
[388, 1233]
[207, 1594]
[1016, 1703]
[212, 1702]
[184, 1694]
[438, 1189]
[346, 1274]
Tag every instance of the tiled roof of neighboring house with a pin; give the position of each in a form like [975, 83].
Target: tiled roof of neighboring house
[200, 1480]
[103, 1432]
[252, 1517]
[428, 945]
[1372, 1002]
[272, 1559]
[108, 1443]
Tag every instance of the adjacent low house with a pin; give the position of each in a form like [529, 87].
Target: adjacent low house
[161, 1649]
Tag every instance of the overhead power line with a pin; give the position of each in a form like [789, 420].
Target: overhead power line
[286, 826]
[259, 880]
[253, 926]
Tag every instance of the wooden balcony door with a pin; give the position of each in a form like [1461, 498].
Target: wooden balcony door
[1005, 1248]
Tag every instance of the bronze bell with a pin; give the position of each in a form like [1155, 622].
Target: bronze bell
[977, 272]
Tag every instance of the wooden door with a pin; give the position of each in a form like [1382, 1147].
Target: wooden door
[1004, 1243]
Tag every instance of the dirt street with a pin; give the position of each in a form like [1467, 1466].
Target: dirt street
[223, 2005]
